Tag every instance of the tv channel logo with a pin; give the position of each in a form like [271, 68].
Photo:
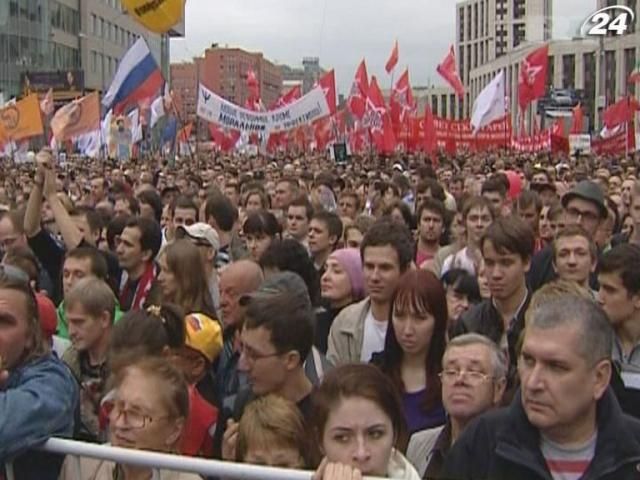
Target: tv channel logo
[614, 19]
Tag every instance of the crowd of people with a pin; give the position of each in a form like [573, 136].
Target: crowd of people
[466, 317]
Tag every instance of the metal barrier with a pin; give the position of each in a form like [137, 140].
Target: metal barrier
[163, 461]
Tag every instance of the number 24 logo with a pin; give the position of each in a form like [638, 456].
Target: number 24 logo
[601, 21]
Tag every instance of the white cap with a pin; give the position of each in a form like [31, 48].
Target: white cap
[200, 231]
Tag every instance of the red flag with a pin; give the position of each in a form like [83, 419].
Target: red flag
[401, 102]
[620, 112]
[378, 120]
[184, 133]
[533, 76]
[577, 119]
[393, 59]
[429, 131]
[322, 132]
[291, 96]
[358, 97]
[328, 84]
[449, 71]
[224, 140]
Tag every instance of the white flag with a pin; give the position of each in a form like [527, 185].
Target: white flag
[157, 111]
[134, 126]
[490, 104]
[105, 128]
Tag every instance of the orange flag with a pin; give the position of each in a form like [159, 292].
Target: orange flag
[78, 117]
[21, 119]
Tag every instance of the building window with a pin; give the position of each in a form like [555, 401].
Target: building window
[94, 61]
[610, 74]
[568, 71]
[629, 65]
[101, 27]
[94, 24]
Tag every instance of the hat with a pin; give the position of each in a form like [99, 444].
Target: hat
[398, 167]
[200, 231]
[587, 190]
[47, 315]
[350, 260]
[203, 335]
[279, 283]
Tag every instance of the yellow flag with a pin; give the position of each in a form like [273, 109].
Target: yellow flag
[21, 119]
[156, 15]
[77, 117]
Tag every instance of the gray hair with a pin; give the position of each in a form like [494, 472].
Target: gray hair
[498, 357]
[94, 295]
[596, 333]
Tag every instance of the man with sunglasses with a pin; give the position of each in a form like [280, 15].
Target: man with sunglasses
[584, 205]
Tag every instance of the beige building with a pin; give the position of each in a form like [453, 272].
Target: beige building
[489, 29]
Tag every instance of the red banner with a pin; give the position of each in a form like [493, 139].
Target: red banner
[455, 135]
[535, 143]
[616, 144]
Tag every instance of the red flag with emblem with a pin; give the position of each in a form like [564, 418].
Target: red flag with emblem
[448, 69]
[533, 76]
[328, 84]
[359, 88]
[402, 103]
[378, 120]
[393, 58]
[620, 112]
[291, 96]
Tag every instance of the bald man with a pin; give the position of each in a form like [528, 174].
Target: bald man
[240, 278]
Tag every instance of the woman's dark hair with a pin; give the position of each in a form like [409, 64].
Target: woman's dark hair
[141, 333]
[290, 255]
[262, 223]
[463, 283]
[358, 381]
[420, 291]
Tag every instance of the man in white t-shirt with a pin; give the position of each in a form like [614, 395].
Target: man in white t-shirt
[359, 330]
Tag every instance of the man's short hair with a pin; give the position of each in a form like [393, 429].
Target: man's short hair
[22, 257]
[94, 295]
[476, 202]
[150, 234]
[596, 333]
[288, 318]
[99, 267]
[494, 184]
[93, 217]
[134, 206]
[528, 199]
[303, 201]
[151, 198]
[510, 235]
[16, 217]
[499, 364]
[623, 260]
[387, 233]
[432, 205]
[332, 221]
[575, 231]
[183, 202]
[434, 188]
[354, 195]
[222, 210]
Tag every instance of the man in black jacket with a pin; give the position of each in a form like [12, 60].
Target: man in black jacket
[507, 247]
[564, 422]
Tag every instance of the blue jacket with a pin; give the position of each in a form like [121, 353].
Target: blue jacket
[39, 401]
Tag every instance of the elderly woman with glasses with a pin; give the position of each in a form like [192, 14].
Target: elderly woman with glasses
[148, 412]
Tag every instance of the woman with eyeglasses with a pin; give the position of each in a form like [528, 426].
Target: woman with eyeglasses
[414, 345]
[359, 426]
[148, 412]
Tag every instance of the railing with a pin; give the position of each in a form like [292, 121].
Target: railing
[162, 461]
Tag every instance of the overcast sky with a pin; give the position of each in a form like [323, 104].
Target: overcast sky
[341, 32]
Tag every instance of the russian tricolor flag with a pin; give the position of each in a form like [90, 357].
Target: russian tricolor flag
[138, 77]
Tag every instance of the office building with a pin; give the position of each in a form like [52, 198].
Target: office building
[52, 40]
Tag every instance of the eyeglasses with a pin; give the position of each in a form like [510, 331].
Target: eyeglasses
[132, 418]
[252, 356]
[473, 377]
[590, 217]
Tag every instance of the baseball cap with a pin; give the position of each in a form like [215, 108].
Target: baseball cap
[200, 231]
[47, 315]
[277, 284]
[203, 335]
[590, 191]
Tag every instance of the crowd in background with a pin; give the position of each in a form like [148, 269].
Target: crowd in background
[466, 317]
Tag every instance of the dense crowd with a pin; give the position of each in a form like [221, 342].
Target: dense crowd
[465, 317]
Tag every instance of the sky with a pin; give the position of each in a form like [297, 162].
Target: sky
[342, 32]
